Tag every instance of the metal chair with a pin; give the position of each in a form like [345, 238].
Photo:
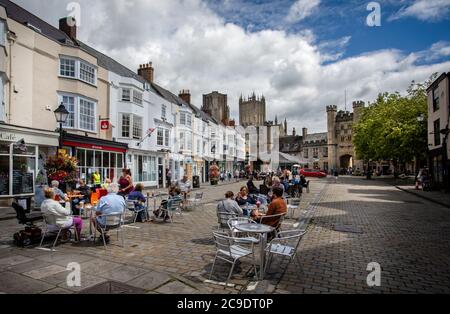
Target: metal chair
[294, 204]
[173, 207]
[57, 231]
[112, 222]
[223, 218]
[239, 235]
[134, 206]
[231, 251]
[196, 201]
[285, 244]
[279, 221]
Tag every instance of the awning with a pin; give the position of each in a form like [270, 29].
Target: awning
[289, 159]
[93, 143]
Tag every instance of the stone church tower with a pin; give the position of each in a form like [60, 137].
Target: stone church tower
[341, 152]
[252, 111]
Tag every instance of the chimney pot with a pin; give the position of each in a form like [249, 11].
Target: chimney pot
[68, 25]
[146, 71]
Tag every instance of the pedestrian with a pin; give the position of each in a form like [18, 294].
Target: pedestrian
[125, 183]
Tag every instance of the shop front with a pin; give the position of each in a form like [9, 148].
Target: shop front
[144, 167]
[23, 152]
[96, 155]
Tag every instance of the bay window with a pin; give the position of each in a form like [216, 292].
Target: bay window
[160, 137]
[82, 112]
[137, 97]
[77, 69]
[125, 125]
[167, 137]
[137, 127]
[130, 126]
[126, 94]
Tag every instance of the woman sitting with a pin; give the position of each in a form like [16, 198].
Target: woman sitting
[59, 195]
[243, 198]
[57, 216]
[228, 205]
[139, 201]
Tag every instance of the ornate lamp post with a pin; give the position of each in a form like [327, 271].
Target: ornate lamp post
[61, 115]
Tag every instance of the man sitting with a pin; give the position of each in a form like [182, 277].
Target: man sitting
[139, 201]
[174, 195]
[229, 205]
[276, 207]
[108, 205]
[85, 192]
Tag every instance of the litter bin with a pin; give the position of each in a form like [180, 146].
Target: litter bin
[196, 182]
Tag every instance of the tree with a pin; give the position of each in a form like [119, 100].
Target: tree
[390, 128]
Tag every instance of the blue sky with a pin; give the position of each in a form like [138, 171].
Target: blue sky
[334, 19]
[301, 54]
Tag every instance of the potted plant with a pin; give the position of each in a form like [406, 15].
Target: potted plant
[62, 168]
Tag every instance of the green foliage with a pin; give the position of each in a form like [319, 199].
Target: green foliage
[389, 128]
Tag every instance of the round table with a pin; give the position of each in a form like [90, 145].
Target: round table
[263, 230]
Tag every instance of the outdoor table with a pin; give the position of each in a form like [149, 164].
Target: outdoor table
[263, 230]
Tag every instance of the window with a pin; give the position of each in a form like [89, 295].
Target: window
[77, 69]
[87, 115]
[137, 97]
[437, 132]
[2, 33]
[125, 125]
[198, 147]
[315, 153]
[189, 141]
[189, 120]
[67, 68]
[305, 153]
[181, 139]
[163, 111]
[82, 113]
[325, 152]
[160, 137]
[87, 73]
[137, 127]
[436, 99]
[126, 94]
[166, 137]
[185, 119]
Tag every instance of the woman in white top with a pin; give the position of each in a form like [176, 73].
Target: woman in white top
[57, 216]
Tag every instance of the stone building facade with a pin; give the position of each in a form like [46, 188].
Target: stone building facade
[216, 105]
[252, 111]
[341, 152]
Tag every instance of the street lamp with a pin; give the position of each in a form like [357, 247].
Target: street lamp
[61, 115]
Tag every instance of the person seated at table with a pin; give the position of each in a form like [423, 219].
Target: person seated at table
[57, 216]
[243, 198]
[251, 188]
[174, 195]
[106, 183]
[85, 192]
[229, 205]
[59, 195]
[139, 201]
[276, 183]
[108, 205]
[185, 186]
[277, 206]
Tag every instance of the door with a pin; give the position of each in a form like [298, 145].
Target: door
[160, 172]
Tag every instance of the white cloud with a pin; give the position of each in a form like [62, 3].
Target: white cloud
[301, 9]
[424, 10]
[193, 48]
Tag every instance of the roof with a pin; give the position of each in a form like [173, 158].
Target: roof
[437, 81]
[291, 143]
[316, 137]
[22, 16]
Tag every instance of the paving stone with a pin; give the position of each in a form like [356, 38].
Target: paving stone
[98, 266]
[176, 287]
[150, 281]
[25, 267]
[14, 260]
[58, 290]
[18, 284]
[87, 281]
[124, 273]
[45, 271]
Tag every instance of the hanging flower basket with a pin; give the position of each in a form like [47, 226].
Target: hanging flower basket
[214, 174]
[62, 168]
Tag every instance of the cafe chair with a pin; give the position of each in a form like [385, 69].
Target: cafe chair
[196, 201]
[279, 218]
[113, 222]
[134, 206]
[294, 204]
[55, 230]
[174, 207]
[231, 251]
[239, 235]
[286, 245]
[222, 220]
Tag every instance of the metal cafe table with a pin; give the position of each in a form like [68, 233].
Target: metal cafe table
[263, 230]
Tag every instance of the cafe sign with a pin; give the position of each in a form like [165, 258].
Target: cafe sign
[6, 136]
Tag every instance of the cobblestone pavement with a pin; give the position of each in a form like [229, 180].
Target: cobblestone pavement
[157, 257]
[406, 235]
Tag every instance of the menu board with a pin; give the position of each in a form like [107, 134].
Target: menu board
[4, 185]
[23, 182]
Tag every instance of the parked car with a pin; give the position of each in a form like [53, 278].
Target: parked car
[313, 173]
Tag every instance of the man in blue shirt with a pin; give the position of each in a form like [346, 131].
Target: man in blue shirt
[109, 204]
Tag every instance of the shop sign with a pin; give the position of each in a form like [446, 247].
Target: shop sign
[104, 125]
[5, 136]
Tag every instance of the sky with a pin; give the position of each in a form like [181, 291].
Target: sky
[303, 55]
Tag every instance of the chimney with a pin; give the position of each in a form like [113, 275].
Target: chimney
[305, 133]
[294, 133]
[68, 25]
[185, 95]
[146, 71]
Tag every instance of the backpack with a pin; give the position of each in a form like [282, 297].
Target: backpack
[30, 235]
